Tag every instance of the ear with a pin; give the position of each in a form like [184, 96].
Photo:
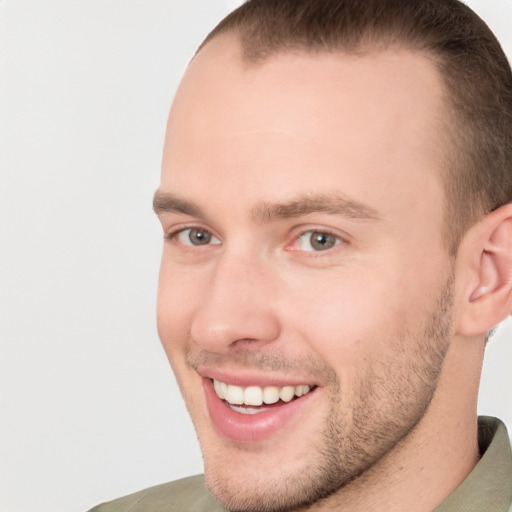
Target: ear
[484, 266]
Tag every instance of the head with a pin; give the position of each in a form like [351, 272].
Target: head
[333, 199]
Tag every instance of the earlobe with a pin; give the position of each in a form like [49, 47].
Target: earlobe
[488, 296]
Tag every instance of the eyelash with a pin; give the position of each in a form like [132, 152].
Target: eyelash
[339, 240]
[173, 236]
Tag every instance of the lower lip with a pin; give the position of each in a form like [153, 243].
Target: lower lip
[247, 428]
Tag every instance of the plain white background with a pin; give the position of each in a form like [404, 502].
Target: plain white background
[89, 407]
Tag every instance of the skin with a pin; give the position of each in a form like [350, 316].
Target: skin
[373, 322]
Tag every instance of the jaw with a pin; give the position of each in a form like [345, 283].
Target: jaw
[250, 458]
[320, 445]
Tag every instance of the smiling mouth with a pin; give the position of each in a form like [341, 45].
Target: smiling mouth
[250, 400]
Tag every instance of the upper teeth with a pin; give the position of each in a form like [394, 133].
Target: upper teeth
[255, 395]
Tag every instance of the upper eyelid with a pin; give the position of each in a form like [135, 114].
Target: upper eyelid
[302, 230]
[341, 240]
[294, 234]
[176, 229]
[325, 231]
[174, 237]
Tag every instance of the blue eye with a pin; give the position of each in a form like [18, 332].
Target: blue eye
[196, 237]
[317, 241]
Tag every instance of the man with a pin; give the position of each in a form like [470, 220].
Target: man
[336, 205]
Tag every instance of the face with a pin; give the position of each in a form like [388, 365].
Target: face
[304, 295]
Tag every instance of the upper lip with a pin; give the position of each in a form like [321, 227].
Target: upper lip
[247, 378]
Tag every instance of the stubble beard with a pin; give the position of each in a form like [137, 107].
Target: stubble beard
[392, 398]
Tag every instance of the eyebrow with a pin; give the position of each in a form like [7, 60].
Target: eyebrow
[164, 202]
[332, 204]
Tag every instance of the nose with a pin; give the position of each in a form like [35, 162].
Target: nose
[236, 308]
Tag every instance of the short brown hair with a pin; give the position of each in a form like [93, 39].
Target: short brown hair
[474, 69]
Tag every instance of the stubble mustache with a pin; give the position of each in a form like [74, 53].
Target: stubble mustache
[265, 362]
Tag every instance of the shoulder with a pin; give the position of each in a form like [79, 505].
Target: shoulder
[187, 494]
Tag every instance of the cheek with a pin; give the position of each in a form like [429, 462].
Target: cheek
[177, 298]
[350, 319]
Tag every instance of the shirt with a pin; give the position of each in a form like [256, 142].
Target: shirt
[488, 488]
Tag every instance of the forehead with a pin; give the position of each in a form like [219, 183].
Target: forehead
[369, 125]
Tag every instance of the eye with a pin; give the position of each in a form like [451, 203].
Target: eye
[196, 237]
[316, 241]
